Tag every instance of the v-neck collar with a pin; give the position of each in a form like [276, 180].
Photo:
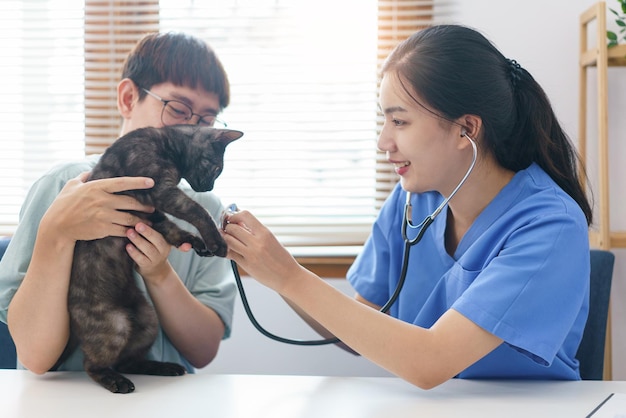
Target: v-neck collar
[499, 205]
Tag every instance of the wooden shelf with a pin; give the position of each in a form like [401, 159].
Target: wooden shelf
[616, 240]
[601, 57]
[616, 57]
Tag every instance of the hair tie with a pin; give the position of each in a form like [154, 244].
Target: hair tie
[515, 71]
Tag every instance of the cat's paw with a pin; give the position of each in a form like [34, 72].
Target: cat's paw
[221, 249]
[203, 252]
[171, 369]
[198, 246]
[112, 381]
[216, 249]
[121, 385]
[213, 248]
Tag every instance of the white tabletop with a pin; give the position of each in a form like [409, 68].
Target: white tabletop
[72, 394]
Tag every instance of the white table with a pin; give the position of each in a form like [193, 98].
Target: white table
[73, 394]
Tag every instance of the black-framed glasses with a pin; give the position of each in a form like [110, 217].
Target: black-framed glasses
[175, 112]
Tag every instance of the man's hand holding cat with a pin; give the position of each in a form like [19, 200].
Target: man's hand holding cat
[90, 210]
[149, 249]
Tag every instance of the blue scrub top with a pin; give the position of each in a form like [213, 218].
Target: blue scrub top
[521, 272]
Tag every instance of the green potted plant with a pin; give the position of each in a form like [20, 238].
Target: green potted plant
[614, 38]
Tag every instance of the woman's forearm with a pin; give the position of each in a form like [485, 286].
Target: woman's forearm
[316, 326]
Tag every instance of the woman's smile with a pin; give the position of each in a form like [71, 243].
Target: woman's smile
[401, 167]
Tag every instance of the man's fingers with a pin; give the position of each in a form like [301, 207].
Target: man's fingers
[121, 184]
[126, 219]
[83, 176]
[123, 202]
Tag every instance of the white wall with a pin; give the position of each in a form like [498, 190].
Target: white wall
[249, 352]
[543, 36]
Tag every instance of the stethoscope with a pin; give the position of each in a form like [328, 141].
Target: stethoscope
[408, 243]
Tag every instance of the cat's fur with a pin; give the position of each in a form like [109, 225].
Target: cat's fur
[110, 317]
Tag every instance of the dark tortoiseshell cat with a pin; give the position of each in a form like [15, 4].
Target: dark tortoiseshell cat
[110, 317]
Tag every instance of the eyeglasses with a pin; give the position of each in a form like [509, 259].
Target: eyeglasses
[175, 112]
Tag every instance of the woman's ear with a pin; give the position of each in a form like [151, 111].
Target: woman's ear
[127, 96]
[469, 125]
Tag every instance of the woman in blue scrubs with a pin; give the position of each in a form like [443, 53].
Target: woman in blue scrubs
[498, 287]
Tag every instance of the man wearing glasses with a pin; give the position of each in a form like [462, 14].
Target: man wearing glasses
[167, 79]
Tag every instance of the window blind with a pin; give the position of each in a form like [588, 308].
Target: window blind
[303, 89]
[41, 95]
[112, 28]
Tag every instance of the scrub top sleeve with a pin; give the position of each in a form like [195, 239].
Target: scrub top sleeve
[370, 273]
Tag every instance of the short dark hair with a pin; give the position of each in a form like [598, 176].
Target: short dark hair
[456, 71]
[178, 58]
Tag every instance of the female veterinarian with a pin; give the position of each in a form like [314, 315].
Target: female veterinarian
[498, 285]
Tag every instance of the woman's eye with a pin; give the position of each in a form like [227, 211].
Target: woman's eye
[397, 122]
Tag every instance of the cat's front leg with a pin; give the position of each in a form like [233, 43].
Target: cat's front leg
[177, 236]
[175, 202]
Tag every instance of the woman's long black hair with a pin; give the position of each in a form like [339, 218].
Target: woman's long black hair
[457, 71]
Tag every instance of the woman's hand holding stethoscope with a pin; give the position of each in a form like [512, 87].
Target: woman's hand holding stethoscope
[255, 249]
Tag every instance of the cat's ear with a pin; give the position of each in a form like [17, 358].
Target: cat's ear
[227, 136]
